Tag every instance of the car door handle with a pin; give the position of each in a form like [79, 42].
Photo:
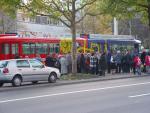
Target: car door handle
[34, 69]
[20, 69]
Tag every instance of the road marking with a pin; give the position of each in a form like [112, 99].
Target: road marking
[72, 92]
[141, 95]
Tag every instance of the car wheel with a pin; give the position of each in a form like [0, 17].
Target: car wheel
[34, 82]
[52, 77]
[1, 84]
[16, 81]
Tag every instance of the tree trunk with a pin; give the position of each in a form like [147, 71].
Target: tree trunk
[3, 24]
[73, 29]
[149, 23]
[74, 59]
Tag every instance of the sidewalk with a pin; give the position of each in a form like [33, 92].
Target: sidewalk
[100, 78]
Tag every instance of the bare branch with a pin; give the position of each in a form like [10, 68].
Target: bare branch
[64, 13]
[78, 21]
[65, 23]
[86, 4]
[48, 15]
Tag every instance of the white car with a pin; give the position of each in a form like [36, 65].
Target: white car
[16, 71]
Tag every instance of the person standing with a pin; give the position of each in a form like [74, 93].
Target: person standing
[102, 64]
[108, 62]
[87, 63]
[128, 61]
[49, 61]
[82, 63]
[64, 64]
[69, 60]
[118, 58]
[97, 56]
[137, 62]
[93, 64]
[78, 63]
[147, 63]
[113, 63]
[143, 55]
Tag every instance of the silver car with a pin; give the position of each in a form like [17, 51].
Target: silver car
[16, 71]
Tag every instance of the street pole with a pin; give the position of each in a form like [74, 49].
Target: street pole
[130, 28]
[115, 26]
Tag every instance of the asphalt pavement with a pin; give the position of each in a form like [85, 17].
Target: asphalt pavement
[130, 95]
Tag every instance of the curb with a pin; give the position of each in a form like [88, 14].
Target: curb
[68, 82]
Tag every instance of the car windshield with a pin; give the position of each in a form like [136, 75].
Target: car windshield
[3, 64]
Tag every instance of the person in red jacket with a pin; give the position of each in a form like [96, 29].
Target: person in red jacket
[137, 64]
[147, 63]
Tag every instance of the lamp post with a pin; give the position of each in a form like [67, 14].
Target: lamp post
[115, 26]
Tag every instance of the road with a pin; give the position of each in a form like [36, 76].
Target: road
[115, 96]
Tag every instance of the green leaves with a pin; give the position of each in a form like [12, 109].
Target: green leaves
[9, 7]
[124, 9]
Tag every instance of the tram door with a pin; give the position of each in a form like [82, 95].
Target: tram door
[13, 50]
[5, 51]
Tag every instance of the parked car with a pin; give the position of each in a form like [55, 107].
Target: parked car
[16, 71]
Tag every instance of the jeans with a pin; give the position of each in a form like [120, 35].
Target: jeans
[118, 68]
[93, 70]
[148, 69]
[138, 70]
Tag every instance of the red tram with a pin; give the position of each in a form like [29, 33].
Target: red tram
[11, 45]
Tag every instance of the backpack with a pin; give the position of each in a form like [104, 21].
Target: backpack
[137, 61]
[147, 60]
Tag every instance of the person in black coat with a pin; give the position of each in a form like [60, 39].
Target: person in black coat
[143, 55]
[49, 61]
[108, 62]
[102, 64]
[128, 61]
[82, 63]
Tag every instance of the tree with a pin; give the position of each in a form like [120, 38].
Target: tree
[127, 8]
[9, 7]
[7, 14]
[66, 11]
[100, 24]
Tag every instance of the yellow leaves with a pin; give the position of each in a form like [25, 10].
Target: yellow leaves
[65, 46]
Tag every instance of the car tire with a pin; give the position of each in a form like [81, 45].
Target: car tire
[16, 82]
[1, 84]
[52, 77]
[34, 82]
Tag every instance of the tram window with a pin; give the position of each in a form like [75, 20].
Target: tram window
[26, 48]
[41, 48]
[14, 49]
[32, 48]
[51, 48]
[45, 48]
[56, 48]
[5, 49]
[38, 48]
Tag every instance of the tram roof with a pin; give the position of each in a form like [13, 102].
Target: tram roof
[114, 37]
[27, 39]
[34, 39]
